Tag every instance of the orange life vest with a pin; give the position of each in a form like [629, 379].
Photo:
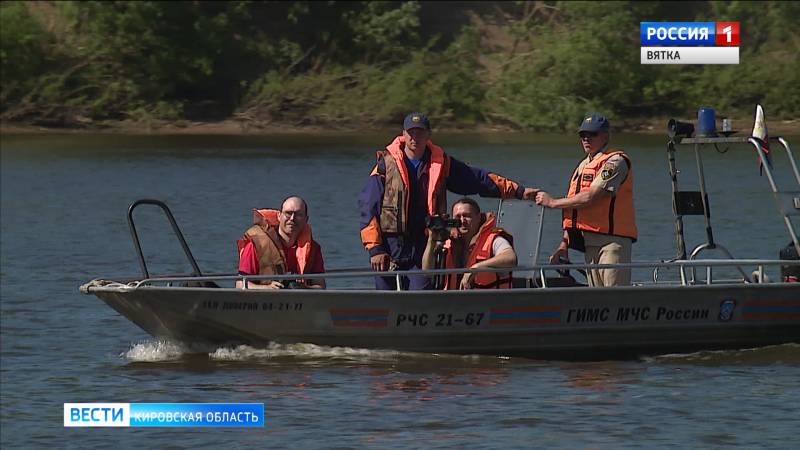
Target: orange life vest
[480, 250]
[269, 246]
[612, 214]
[396, 201]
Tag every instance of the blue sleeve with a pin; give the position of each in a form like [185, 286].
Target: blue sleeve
[466, 180]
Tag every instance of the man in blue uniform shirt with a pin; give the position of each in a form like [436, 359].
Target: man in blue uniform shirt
[408, 184]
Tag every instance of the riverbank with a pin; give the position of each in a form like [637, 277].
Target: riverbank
[234, 127]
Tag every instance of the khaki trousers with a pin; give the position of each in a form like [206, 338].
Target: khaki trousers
[606, 249]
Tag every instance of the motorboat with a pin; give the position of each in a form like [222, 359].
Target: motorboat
[685, 304]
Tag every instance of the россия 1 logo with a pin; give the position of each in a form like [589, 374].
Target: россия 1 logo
[689, 42]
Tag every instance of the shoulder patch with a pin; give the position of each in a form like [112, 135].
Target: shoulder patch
[619, 158]
[608, 171]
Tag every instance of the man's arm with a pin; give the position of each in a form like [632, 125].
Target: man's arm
[504, 258]
[611, 176]
[503, 255]
[577, 201]
[369, 204]
[251, 285]
[466, 180]
[428, 257]
[562, 251]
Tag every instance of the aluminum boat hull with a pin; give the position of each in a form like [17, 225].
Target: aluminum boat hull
[562, 323]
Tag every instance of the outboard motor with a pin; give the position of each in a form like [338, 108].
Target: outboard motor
[789, 274]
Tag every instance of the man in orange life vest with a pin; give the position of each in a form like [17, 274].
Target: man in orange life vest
[598, 212]
[409, 182]
[280, 242]
[476, 243]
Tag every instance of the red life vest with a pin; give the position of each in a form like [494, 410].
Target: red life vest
[396, 201]
[479, 250]
[269, 246]
[612, 214]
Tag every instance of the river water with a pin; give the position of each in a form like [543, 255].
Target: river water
[64, 200]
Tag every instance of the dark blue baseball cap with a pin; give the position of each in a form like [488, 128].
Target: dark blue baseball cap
[416, 120]
[594, 122]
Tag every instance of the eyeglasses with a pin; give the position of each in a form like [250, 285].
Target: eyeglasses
[587, 134]
[296, 214]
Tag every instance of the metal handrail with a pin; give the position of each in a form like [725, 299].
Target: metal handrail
[791, 158]
[721, 248]
[760, 263]
[710, 243]
[765, 164]
[175, 229]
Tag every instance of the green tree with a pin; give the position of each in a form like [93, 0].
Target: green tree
[23, 52]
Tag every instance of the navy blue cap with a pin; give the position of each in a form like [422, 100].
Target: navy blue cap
[416, 120]
[594, 122]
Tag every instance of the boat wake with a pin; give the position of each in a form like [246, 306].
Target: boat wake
[168, 351]
[165, 351]
[302, 352]
[787, 354]
[159, 351]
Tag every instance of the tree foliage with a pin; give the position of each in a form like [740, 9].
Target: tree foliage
[529, 65]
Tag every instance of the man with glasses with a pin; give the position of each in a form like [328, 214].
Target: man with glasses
[598, 214]
[280, 242]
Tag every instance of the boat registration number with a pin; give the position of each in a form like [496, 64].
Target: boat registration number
[470, 319]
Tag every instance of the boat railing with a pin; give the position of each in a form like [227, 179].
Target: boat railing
[759, 266]
[697, 202]
[175, 229]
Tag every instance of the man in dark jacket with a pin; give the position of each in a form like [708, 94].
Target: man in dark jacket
[409, 183]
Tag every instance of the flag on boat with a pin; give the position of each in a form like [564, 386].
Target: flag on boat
[760, 132]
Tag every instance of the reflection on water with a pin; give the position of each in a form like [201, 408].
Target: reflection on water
[433, 384]
[604, 376]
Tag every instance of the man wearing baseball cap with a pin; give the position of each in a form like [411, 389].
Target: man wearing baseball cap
[409, 182]
[598, 215]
